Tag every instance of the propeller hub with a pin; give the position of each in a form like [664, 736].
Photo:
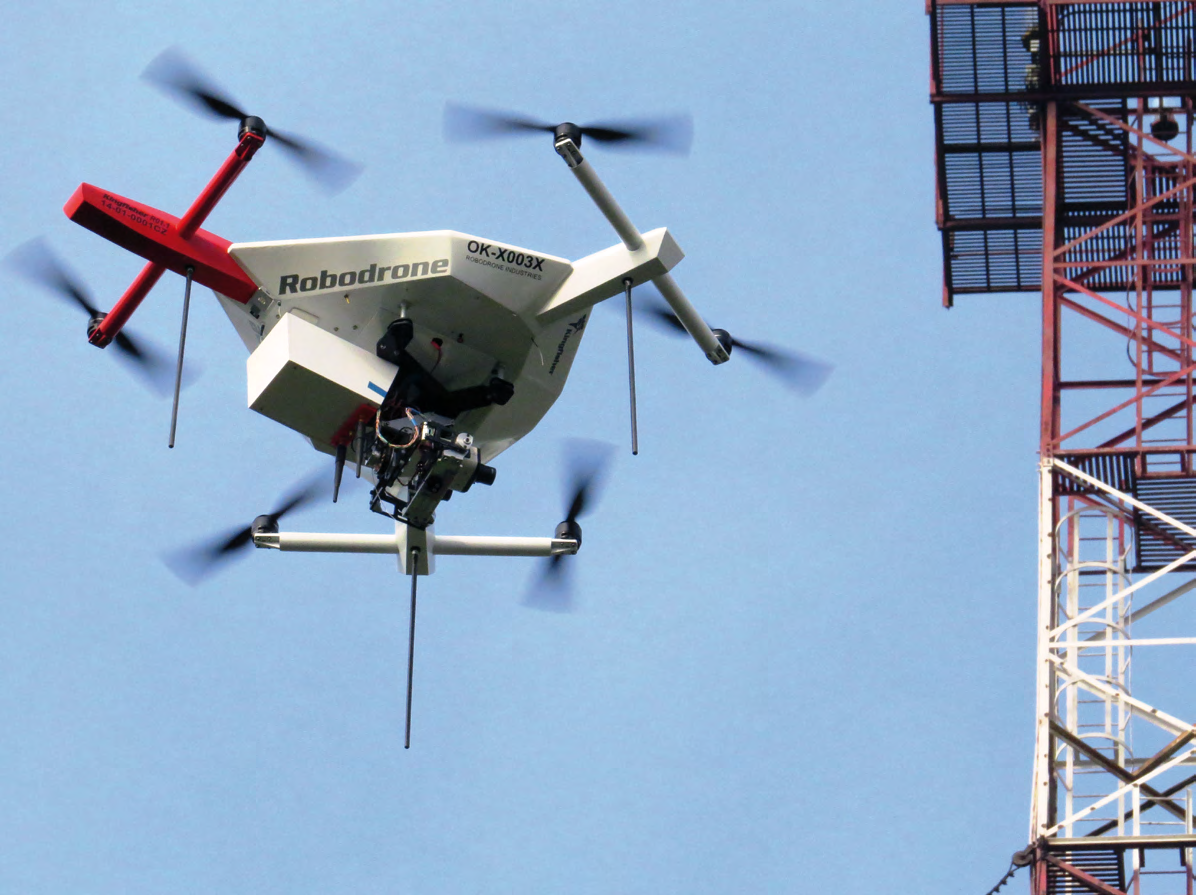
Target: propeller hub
[251, 124]
[264, 525]
[570, 530]
[724, 339]
[567, 130]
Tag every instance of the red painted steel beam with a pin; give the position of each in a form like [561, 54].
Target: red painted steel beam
[1105, 383]
[184, 228]
[1049, 417]
[1077, 92]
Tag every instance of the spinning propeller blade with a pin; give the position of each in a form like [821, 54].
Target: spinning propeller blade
[587, 462]
[800, 372]
[193, 564]
[174, 73]
[35, 261]
[672, 133]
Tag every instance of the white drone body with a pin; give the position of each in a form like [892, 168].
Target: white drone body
[480, 308]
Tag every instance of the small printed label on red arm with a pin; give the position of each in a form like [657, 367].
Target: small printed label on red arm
[154, 235]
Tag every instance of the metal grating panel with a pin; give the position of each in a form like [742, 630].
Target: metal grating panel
[1157, 543]
[1126, 43]
[992, 161]
[980, 48]
[1109, 49]
[1115, 470]
[989, 159]
[991, 197]
[1104, 864]
[983, 261]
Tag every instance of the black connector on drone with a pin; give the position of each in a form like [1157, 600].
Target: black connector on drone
[393, 345]
[413, 386]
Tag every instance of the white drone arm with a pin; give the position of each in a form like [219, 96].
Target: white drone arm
[441, 545]
[690, 319]
[407, 539]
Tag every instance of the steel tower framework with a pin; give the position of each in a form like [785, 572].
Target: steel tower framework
[1065, 167]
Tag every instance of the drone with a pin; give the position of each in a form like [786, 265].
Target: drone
[417, 358]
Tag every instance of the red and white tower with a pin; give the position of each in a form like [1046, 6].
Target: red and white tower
[1066, 167]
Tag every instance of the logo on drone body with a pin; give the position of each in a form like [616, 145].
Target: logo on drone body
[375, 273]
[570, 330]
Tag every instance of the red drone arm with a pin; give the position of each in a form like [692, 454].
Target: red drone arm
[165, 241]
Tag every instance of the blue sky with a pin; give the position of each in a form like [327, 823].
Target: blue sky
[804, 647]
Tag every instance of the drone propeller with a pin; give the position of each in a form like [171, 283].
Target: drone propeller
[35, 261]
[800, 372]
[193, 564]
[673, 133]
[174, 73]
[587, 462]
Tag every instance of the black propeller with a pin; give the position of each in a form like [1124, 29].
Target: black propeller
[174, 73]
[35, 261]
[799, 372]
[672, 133]
[193, 564]
[586, 462]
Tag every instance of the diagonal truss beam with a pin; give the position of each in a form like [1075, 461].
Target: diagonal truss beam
[1096, 483]
[1122, 218]
[1121, 259]
[1129, 312]
[1129, 815]
[1125, 776]
[1143, 710]
[1161, 417]
[1117, 597]
[1150, 607]
[1133, 131]
[1125, 331]
[1130, 402]
[1101, 487]
[1124, 790]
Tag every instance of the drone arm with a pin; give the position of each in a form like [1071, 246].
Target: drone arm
[600, 276]
[602, 197]
[690, 319]
[184, 228]
[440, 545]
[194, 217]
